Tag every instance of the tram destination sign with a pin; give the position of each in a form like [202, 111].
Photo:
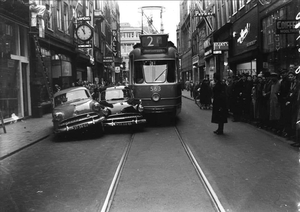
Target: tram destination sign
[154, 41]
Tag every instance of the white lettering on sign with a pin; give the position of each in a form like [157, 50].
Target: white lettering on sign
[220, 45]
[286, 24]
[243, 34]
[297, 26]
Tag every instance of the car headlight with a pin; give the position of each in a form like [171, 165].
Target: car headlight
[96, 107]
[155, 97]
[59, 116]
[105, 111]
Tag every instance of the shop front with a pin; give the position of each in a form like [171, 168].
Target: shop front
[244, 51]
[280, 37]
[14, 70]
[221, 48]
[186, 66]
[196, 70]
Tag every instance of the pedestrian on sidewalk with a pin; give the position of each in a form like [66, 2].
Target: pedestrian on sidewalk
[219, 110]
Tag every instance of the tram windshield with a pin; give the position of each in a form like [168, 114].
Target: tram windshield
[152, 71]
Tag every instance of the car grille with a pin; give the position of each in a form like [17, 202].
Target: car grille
[79, 119]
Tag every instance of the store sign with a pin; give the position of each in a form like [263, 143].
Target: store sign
[221, 46]
[207, 43]
[114, 42]
[217, 52]
[245, 31]
[286, 27]
[207, 53]
[107, 60]
[117, 69]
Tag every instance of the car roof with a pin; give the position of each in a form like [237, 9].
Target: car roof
[69, 90]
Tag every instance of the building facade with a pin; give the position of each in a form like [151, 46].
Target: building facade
[130, 35]
[48, 28]
[14, 60]
[237, 36]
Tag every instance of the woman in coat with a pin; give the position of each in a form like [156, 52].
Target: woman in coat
[219, 110]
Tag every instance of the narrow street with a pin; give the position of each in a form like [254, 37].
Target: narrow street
[248, 168]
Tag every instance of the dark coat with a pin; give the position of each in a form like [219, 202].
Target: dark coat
[219, 110]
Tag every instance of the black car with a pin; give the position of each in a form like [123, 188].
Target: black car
[121, 109]
[75, 109]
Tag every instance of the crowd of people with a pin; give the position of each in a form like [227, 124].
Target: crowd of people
[268, 100]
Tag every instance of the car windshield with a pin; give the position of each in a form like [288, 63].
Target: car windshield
[116, 94]
[71, 97]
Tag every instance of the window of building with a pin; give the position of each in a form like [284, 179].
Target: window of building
[49, 18]
[58, 15]
[66, 18]
[234, 7]
[241, 4]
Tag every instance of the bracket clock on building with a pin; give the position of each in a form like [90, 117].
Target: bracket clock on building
[84, 32]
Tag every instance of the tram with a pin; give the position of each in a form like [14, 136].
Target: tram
[154, 74]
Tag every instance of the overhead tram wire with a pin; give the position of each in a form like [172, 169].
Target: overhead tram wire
[150, 24]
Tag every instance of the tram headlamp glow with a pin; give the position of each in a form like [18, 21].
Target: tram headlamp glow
[155, 97]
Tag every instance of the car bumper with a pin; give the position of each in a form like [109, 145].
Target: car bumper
[79, 125]
[124, 121]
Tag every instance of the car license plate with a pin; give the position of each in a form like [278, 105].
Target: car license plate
[80, 126]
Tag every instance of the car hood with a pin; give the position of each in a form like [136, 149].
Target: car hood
[74, 108]
[119, 107]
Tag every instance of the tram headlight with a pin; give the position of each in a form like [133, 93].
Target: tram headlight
[155, 97]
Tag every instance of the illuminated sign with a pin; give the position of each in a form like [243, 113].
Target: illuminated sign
[153, 41]
[86, 18]
[221, 46]
[84, 45]
[217, 52]
[286, 27]
[242, 34]
[245, 33]
[114, 42]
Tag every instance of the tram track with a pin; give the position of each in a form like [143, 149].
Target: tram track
[200, 174]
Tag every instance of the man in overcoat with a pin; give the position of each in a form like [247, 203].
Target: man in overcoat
[219, 110]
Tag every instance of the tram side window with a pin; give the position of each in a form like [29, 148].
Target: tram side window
[171, 75]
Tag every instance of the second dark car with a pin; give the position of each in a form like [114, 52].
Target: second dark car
[120, 107]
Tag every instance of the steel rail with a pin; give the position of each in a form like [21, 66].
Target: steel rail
[114, 184]
[200, 173]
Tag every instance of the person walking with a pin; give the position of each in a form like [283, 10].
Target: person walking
[219, 109]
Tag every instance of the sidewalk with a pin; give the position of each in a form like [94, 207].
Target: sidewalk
[24, 133]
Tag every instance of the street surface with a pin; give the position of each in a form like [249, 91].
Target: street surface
[248, 168]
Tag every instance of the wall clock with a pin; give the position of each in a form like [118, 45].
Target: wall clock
[84, 32]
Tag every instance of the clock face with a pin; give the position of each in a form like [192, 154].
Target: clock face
[84, 32]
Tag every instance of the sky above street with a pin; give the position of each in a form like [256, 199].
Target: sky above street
[130, 12]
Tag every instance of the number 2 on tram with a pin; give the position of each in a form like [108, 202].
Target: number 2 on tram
[154, 74]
